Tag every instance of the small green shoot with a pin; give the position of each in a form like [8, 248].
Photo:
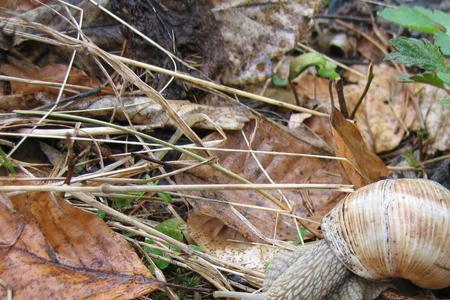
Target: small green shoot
[446, 101]
[167, 198]
[279, 82]
[267, 264]
[411, 159]
[173, 228]
[121, 203]
[298, 240]
[324, 67]
[6, 162]
[125, 202]
[160, 263]
[101, 214]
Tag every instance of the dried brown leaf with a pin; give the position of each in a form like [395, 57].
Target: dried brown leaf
[52, 250]
[52, 73]
[253, 223]
[366, 166]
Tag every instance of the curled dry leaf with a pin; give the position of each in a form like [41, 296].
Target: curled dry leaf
[52, 250]
[143, 110]
[363, 166]
[253, 223]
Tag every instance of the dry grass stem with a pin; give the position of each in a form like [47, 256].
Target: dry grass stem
[107, 188]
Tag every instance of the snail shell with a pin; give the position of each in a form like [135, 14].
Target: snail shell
[394, 229]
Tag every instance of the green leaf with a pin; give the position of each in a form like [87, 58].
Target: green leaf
[446, 101]
[101, 214]
[304, 61]
[442, 40]
[416, 52]
[6, 162]
[172, 228]
[411, 158]
[130, 234]
[328, 73]
[165, 197]
[279, 82]
[303, 232]
[160, 263]
[445, 77]
[437, 16]
[409, 17]
[428, 78]
[121, 203]
[195, 248]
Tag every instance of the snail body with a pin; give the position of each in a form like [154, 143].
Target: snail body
[385, 230]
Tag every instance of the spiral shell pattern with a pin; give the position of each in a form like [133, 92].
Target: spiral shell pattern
[394, 229]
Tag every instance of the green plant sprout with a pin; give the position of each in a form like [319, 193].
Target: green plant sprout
[6, 162]
[429, 56]
[324, 67]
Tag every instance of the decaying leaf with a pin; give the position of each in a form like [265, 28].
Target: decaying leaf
[365, 166]
[255, 33]
[143, 110]
[51, 73]
[253, 223]
[386, 114]
[226, 243]
[436, 116]
[21, 5]
[52, 250]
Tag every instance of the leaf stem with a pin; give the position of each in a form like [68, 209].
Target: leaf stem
[370, 77]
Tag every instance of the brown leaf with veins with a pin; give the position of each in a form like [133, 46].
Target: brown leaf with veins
[52, 250]
[366, 166]
[253, 223]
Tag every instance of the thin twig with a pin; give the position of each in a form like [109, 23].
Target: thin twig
[370, 77]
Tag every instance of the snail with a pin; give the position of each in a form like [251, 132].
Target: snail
[394, 228]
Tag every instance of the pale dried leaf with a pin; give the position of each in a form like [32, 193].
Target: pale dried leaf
[225, 243]
[385, 114]
[143, 110]
[436, 116]
[255, 34]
